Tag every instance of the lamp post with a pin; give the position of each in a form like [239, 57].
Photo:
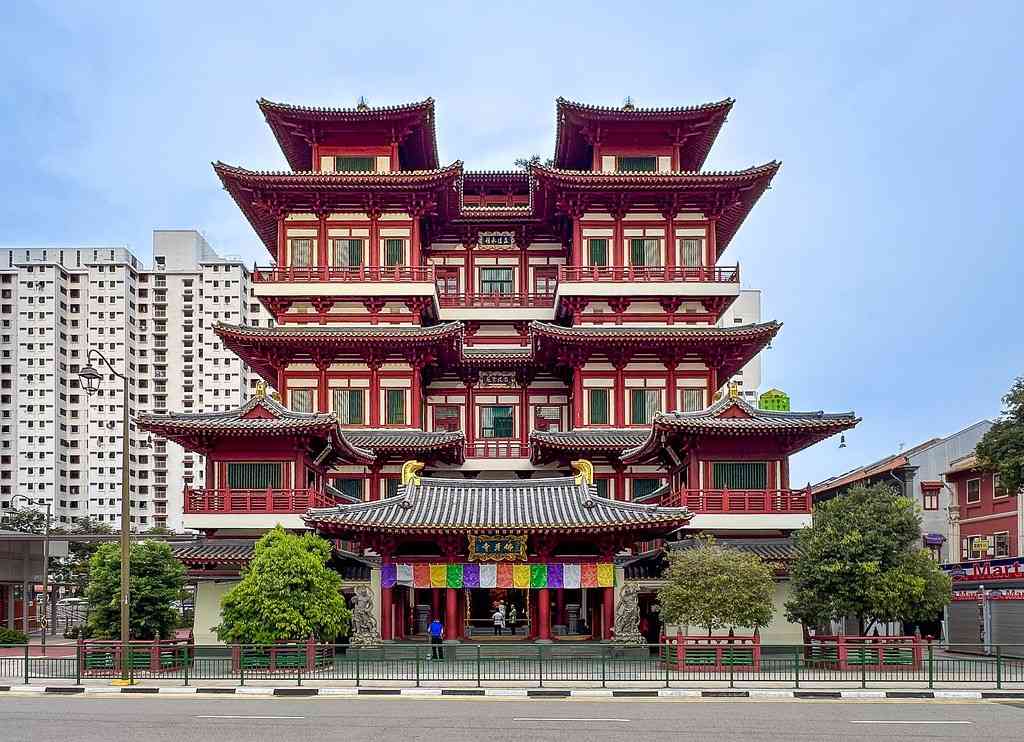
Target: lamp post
[89, 378]
[43, 603]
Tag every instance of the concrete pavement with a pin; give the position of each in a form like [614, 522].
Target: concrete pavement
[398, 719]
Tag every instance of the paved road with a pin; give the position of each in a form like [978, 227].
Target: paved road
[145, 719]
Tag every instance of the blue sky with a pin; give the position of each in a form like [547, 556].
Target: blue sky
[888, 245]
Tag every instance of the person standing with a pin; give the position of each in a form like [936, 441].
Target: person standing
[499, 621]
[513, 616]
[436, 631]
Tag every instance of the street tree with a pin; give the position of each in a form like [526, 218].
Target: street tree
[287, 593]
[525, 163]
[716, 587]
[156, 580]
[24, 520]
[72, 571]
[859, 558]
[1001, 449]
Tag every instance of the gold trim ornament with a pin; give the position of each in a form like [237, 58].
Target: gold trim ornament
[584, 471]
[410, 472]
[497, 547]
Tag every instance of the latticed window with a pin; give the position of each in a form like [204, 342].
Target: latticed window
[644, 404]
[391, 486]
[446, 417]
[597, 252]
[301, 400]
[348, 406]
[693, 251]
[302, 252]
[740, 475]
[347, 252]
[395, 412]
[348, 164]
[394, 252]
[598, 402]
[254, 476]
[496, 421]
[645, 251]
[693, 400]
[644, 487]
[351, 488]
[637, 164]
[602, 487]
[496, 280]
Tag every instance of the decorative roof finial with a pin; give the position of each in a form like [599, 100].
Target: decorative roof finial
[261, 390]
[362, 105]
[734, 390]
[627, 105]
[584, 471]
[410, 472]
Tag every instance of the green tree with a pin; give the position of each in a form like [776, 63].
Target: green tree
[73, 571]
[1001, 449]
[24, 520]
[859, 558]
[156, 581]
[286, 593]
[525, 163]
[716, 587]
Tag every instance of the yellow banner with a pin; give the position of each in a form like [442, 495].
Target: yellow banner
[606, 575]
[521, 575]
[439, 575]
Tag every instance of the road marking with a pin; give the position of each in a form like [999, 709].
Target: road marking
[228, 716]
[552, 718]
[882, 721]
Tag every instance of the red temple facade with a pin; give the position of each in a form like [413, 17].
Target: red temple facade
[495, 327]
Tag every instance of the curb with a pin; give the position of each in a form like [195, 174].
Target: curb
[541, 693]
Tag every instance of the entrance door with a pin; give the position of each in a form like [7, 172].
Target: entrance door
[484, 601]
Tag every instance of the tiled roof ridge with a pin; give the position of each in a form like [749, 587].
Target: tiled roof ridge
[726, 401]
[427, 104]
[224, 167]
[551, 328]
[771, 166]
[724, 103]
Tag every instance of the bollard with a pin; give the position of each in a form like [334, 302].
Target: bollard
[187, 662]
[999, 668]
[78, 663]
[796, 667]
[357, 667]
[26, 663]
[931, 666]
[604, 677]
[540, 665]
[478, 683]
[417, 667]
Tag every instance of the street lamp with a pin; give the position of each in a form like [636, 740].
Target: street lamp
[89, 378]
[43, 604]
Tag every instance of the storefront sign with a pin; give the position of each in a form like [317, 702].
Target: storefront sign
[1007, 595]
[501, 548]
[1002, 569]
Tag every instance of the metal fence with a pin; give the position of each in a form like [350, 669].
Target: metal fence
[520, 664]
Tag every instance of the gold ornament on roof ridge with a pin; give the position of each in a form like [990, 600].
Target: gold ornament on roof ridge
[410, 472]
[584, 471]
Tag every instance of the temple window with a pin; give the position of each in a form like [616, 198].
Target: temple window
[349, 406]
[644, 486]
[597, 252]
[446, 417]
[254, 476]
[693, 400]
[973, 490]
[347, 252]
[394, 252]
[645, 251]
[545, 281]
[301, 252]
[391, 485]
[644, 404]
[740, 475]
[693, 251]
[547, 417]
[496, 280]
[352, 488]
[300, 400]
[496, 421]
[601, 485]
[447, 280]
[598, 406]
[350, 164]
[636, 164]
[395, 407]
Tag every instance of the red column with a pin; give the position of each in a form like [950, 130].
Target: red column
[470, 272]
[282, 241]
[470, 416]
[321, 239]
[577, 242]
[322, 391]
[712, 256]
[608, 606]
[400, 613]
[577, 396]
[414, 242]
[670, 240]
[671, 393]
[543, 614]
[374, 395]
[619, 396]
[374, 240]
[415, 397]
[784, 475]
[374, 479]
[524, 416]
[619, 248]
[451, 614]
[386, 610]
[210, 478]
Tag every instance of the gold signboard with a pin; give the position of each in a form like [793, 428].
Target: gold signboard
[497, 548]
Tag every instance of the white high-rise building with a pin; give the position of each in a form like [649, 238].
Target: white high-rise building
[56, 444]
[746, 310]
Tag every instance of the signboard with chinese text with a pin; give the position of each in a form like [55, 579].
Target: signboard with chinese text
[497, 548]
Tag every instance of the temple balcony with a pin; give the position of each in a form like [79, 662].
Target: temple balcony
[342, 281]
[495, 454]
[744, 509]
[249, 508]
[697, 281]
[491, 306]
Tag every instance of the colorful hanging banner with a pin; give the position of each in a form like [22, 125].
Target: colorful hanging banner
[524, 576]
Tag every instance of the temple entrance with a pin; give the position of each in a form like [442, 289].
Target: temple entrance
[483, 602]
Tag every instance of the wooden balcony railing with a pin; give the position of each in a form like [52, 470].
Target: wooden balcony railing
[492, 301]
[650, 274]
[205, 501]
[341, 274]
[497, 449]
[753, 502]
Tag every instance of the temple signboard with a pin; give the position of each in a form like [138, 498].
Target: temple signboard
[497, 547]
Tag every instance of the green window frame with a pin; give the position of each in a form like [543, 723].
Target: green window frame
[394, 252]
[693, 252]
[347, 252]
[693, 399]
[391, 485]
[598, 404]
[601, 486]
[644, 251]
[497, 421]
[349, 407]
[395, 407]
[644, 486]
[254, 476]
[597, 252]
[351, 487]
[739, 475]
[635, 164]
[643, 404]
[497, 280]
[355, 164]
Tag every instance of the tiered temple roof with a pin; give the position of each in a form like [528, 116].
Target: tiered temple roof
[559, 505]
[597, 443]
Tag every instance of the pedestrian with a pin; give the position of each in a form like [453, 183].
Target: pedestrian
[512, 618]
[499, 621]
[436, 631]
